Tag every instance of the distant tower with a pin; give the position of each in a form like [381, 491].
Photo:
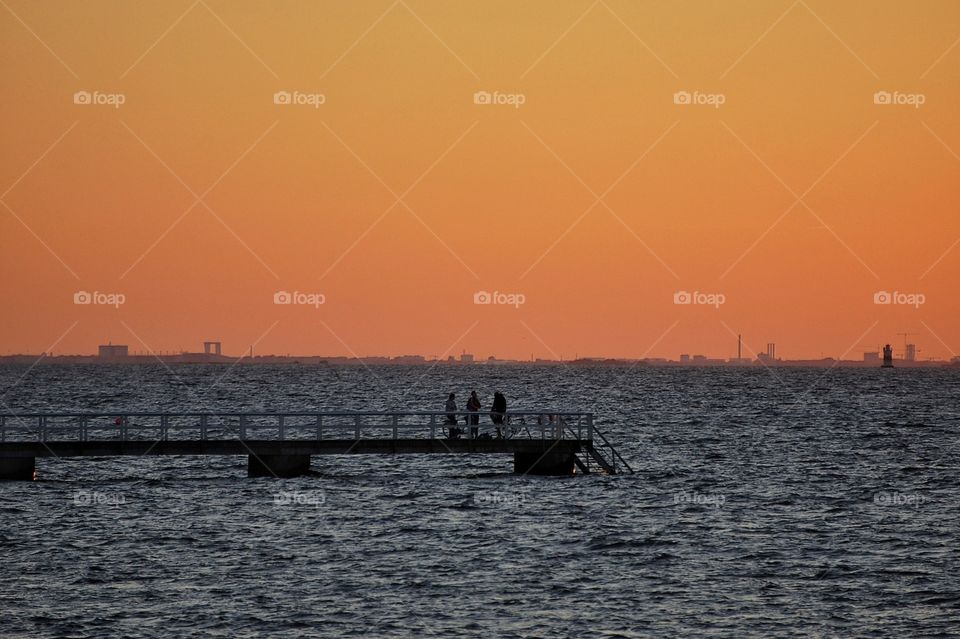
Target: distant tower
[772, 350]
[887, 357]
[739, 344]
[910, 354]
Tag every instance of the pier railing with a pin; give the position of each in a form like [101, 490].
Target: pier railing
[293, 426]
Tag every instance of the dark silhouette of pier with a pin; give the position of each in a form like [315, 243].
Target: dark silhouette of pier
[282, 444]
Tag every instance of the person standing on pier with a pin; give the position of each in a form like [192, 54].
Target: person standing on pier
[473, 405]
[498, 412]
[451, 408]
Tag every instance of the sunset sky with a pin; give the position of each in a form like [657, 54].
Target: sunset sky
[595, 201]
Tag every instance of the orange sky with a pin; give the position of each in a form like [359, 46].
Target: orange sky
[797, 199]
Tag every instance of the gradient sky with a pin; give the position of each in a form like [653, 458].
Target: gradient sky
[797, 199]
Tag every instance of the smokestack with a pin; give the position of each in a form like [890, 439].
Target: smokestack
[739, 343]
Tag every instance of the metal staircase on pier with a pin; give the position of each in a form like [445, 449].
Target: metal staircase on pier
[600, 459]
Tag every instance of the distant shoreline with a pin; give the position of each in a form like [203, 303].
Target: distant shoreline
[313, 360]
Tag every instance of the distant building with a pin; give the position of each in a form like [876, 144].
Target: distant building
[699, 359]
[212, 348]
[770, 356]
[871, 357]
[409, 359]
[887, 356]
[684, 358]
[113, 351]
[910, 354]
[466, 358]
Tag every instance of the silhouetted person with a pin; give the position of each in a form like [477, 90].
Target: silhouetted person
[451, 408]
[497, 412]
[473, 406]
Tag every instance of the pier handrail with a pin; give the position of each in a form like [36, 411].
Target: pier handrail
[306, 413]
[517, 424]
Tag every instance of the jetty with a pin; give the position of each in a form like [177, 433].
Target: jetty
[281, 444]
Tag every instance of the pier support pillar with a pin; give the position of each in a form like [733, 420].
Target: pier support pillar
[278, 465]
[543, 464]
[17, 468]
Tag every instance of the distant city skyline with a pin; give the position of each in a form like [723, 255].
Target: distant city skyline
[212, 353]
[924, 344]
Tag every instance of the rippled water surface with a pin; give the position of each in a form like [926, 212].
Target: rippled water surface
[797, 502]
